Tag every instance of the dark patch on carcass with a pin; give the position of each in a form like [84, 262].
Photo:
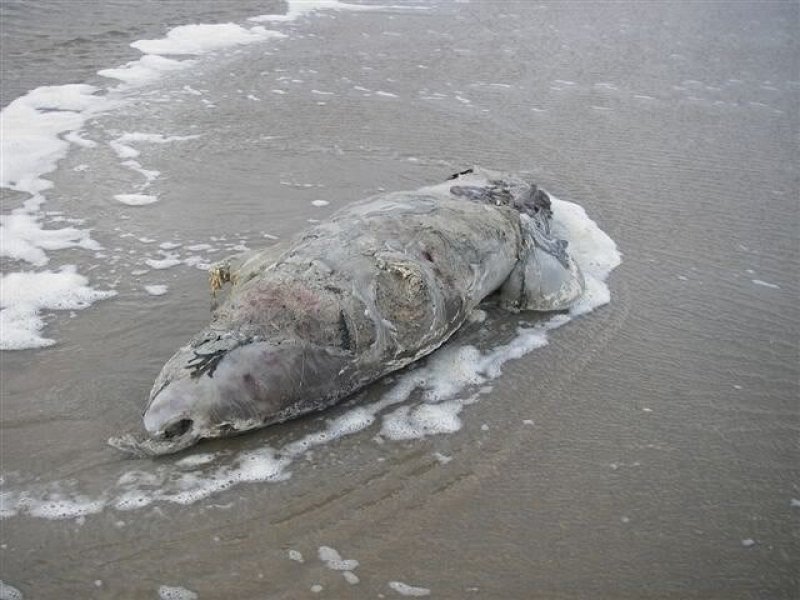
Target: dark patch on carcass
[205, 362]
[459, 174]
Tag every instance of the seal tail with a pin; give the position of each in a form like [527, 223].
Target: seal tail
[545, 277]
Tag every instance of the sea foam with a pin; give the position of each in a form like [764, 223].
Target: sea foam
[301, 8]
[38, 130]
[203, 38]
[24, 295]
[405, 589]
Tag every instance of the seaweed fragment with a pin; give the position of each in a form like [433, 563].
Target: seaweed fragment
[460, 173]
[205, 362]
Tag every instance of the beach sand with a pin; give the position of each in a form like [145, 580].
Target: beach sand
[650, 450]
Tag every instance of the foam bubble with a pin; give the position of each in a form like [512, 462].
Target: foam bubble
[133, 500]
[22, 237]
[135, 199]
[326, 553]
[765, 284]
[593, 250]
[24, 295]
[163, 263]
[260, 465]
[156, 290]
[296, 556]
[145, 70]
[123, 149]
[30, 144]
[427, 419]
[63, 506]
[149, 175]
[202, 38]
[166, 592]
[351, 422]
[9, 592]
[334, 561]
[195, 460]
[300, 8]
[408, 590]
[73, 137]
[595, 295]
[442, 458]
[350, 577]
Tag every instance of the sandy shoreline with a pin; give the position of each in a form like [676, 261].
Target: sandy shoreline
[637, 455]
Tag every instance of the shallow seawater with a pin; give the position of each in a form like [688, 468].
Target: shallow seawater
[645, 449]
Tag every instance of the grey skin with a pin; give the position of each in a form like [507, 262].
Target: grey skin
[382, 283]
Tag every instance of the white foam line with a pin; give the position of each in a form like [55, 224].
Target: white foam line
[149, 175]
[167, 262]
[23, 237]
[157, 290]
[405, 589]
[296, 556]
[144, 70]
[176, 592]
[9, 592]
[135, 199]
[121, 145]
[199, 39]
[32, 125]
[334, 561]
[302, 8]
[73, 137]
[766, 284]
[24, 295]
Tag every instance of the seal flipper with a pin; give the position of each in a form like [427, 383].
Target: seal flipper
[545, 277]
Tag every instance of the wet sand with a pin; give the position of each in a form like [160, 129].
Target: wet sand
[665, 425]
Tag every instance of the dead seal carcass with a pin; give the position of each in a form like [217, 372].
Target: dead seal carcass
[381, 284]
